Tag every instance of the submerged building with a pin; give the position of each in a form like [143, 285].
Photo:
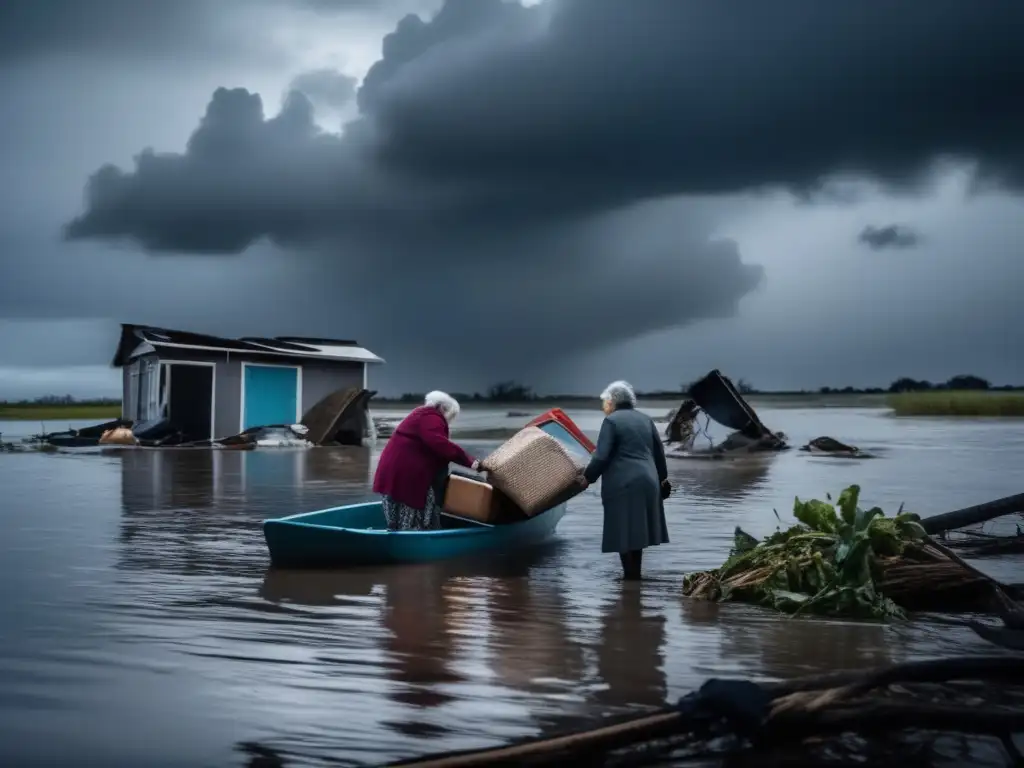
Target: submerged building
[212, 387]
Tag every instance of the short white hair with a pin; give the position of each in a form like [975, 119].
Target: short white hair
[442, 401]
[619, 393]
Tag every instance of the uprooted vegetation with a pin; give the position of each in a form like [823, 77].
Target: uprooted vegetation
[839, 560]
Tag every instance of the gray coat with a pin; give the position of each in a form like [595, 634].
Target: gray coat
[631, 461]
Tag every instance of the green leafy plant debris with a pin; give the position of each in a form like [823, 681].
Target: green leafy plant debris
[825, 565]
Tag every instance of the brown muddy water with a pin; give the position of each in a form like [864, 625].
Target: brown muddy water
[140, 625]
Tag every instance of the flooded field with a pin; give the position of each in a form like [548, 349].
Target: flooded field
[140, 624]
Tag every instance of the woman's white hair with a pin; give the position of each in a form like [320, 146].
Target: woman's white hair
[619, 393]
[445, 403]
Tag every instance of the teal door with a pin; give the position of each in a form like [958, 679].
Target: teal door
[271, 395]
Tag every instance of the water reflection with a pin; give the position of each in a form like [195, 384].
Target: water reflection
[721, 480]
[630, 659]
[189, 479]
[790, 647]
[531, 646]
[434, 616]
[260, 756]
[420, 643]
[317, 588]
[198, 511]
[155, 480]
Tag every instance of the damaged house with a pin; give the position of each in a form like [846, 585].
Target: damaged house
[208, 387]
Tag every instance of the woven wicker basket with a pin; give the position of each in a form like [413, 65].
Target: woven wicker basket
[534, 470]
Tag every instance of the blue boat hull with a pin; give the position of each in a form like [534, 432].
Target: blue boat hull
[356, 535]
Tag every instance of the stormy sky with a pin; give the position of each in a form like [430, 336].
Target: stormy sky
[561, 192]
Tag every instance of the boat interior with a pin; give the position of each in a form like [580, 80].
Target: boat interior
[370, 517]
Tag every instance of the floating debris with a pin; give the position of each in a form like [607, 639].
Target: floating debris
[385, 427]
[717, 397]
[340, 418]
[845, 562]
[829, 446]
[907, 714]
[118, 436]
[978, 544]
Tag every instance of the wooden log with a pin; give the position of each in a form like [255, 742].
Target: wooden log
[876, 716]
[979, 513]
[798, 714]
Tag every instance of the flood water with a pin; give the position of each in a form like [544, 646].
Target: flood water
[140, 625]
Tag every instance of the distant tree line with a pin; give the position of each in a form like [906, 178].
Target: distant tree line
[959, 383]
[502, 392]
[515, 392]
[50, 400]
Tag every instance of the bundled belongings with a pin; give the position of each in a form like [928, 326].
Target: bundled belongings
[532, 472]
[475, 500]
[535, 470]
[86, 437]
[118, 436]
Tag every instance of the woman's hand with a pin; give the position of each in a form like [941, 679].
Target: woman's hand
[581, 480]
[477, 466]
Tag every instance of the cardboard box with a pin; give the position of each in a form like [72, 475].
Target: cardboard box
[475, 500]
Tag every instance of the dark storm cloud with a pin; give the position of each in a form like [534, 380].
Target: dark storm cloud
[74, 26]
[704, 97]
[146, 27]
[891, 236]
[495, 111]
[326, 87]
[492, 137]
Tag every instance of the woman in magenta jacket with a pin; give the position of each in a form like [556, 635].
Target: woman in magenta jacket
[418, 450]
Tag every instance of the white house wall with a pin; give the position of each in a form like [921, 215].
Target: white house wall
[319, 378]
[126, 392]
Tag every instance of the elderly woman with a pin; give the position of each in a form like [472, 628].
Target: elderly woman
[631, 461]
[413, 463]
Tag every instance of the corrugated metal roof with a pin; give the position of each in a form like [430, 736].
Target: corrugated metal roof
[132, 336]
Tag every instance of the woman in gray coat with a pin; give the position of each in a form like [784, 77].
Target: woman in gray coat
[631, 461]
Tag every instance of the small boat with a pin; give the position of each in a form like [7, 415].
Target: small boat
[356, 535]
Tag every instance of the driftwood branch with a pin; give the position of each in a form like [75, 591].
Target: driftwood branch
[979, 513]
[874, 716]
[797, 709]
[963, 563]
